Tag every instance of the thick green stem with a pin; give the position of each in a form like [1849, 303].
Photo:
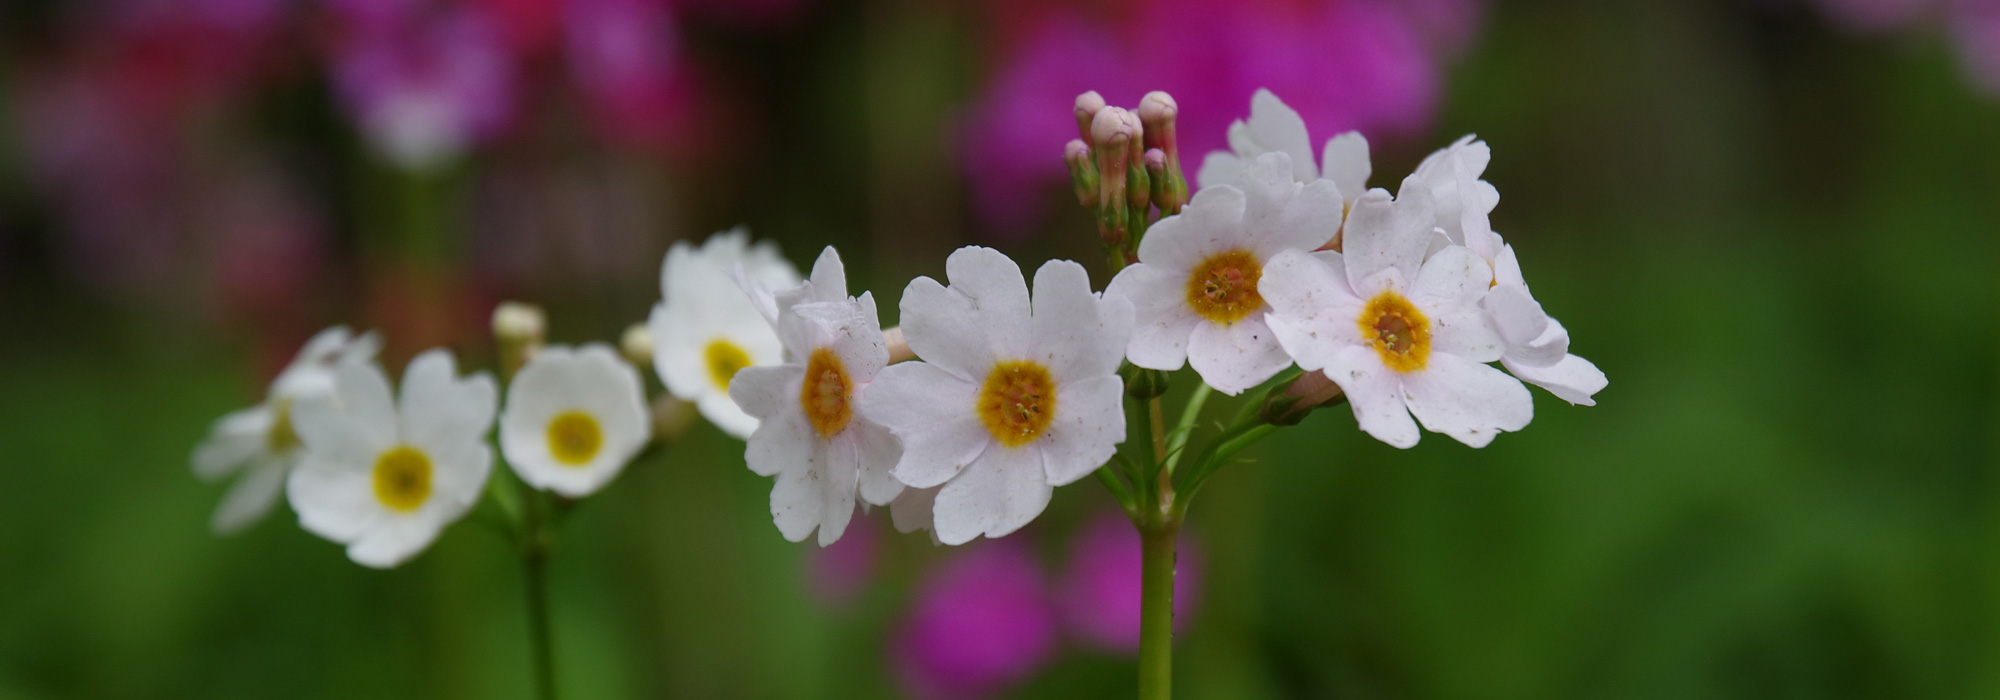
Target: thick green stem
[535, 565]
[1156, 609]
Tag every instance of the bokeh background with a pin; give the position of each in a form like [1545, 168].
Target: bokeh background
[1773, 223]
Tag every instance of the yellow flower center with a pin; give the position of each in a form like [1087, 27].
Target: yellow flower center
[1018, 402]
[1399, 332]
[281, 437]
[824, 395]
[724, 360]
[403, 478]
[574, 438]
[1223, 288]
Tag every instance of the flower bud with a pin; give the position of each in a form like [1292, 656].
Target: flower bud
[1143, 384]
[671, 417]
[1112, 136]
[1156, 177]
[1158, 111]
[1311, 390]
[1087, 106]
[519, 329]
[1082, 172]
[637, 345]
[1138, 186]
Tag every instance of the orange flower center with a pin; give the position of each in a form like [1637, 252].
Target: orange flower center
[574, 438]
[1223, 288]
[824, 394]
[1399, 332]
[403, 478]
[1018, 402]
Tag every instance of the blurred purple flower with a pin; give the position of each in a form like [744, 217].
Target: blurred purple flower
[839, 572]
[1100, 594]
[1972, 26]
[625, 58]
[423, 88]
[982, 622]
[1353, 64]
[1976, 29]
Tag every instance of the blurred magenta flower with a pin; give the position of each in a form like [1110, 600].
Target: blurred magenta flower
[422, 87]
[1367, 65]
[982, 621]
[839, 572]
[1100, 590]
[1972, 27]
[625, 58]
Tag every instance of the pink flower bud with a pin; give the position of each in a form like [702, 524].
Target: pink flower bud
[1087, 106]
[1157, 111]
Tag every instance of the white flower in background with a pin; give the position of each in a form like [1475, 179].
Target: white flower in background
[260, 442]
[808, 434]
[706, 327]
[1275, 128]
[574, 418]
[1195, 287]
[1014, 396]
[1537, 346]
[383, 475]
[1401, 335]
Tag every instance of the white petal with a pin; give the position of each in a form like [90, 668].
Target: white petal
[798, 501]
[933, 413]
[765, 392]
[998, 493]
[1209, 224]
[1451, 279]
[675, 357]
[718, 409]
[912, 509]
[1376, 395]
[355, 423]
[232, 442]
[439, 410]
[393, 540]
[1089, 424]
[592, 380]
[829, 277]
[783, 442]
[1276, 127]
[1162, 319]
[252, 497]
[1219, 168]
[1546, 349]
[1469, 401]
[1384, 234]
[1237, 356]
[335, 500]
[1313, 309]
[458, 480]
[877, 450]
[1077, 334]
[1573, 379]
[1516, 314]
[836, 489]
[1345, 162]
[1304, 217]
[981, 317]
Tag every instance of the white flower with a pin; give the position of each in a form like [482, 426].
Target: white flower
[260, 442]
[706, 327]
[1401, 335]
[574, 418]
[384, 474]
[1275, 128]
[1195, 287]
[1537, 346]
[808, 434]
[1013, 397]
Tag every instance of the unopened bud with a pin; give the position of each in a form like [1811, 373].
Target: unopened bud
[1311, 390]
[1087, 106]
[1156, 176]
[1138, 187]
[518, 330]
[1111, 137]
[1143, 384]
[1082, 172]
[899, 348]
[671, 417]
[1157, 111]
[637, 345]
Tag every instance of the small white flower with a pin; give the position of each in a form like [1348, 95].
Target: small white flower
[1275, 128]
[1401, 335]
[261, 442]
[1013, 396]
[574, 418]
[382, 474]
[1195, 287]
[1537, 346]
[808, 434]
[706, 328]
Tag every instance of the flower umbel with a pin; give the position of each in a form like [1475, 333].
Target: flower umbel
[707, 328]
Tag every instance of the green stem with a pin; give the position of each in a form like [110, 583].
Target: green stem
[1177, 440]
[1156, 609]
[536, 568]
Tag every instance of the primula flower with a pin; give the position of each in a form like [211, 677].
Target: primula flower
[981, 622]
[1013, 397]
[706, 328]
[261, 443]
[808, 435]
[1401, 335]
[574, 418]
[1275, 128]
[1196, 283]
[384, 474]
[424, 89]
[1537, 346]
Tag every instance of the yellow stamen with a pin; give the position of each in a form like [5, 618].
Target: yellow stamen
[1400, 333]
[403, 478]
[1223, 288]
[724, 359]
[1018, 402]
[825, 392]
[281, 437]
[575, 438]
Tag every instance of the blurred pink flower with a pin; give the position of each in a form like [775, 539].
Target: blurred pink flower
[423, 88]
[839, 572]
[1100, 594]
[1976, 29]
[625, 58]
[981, 623]
[1353, 64]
